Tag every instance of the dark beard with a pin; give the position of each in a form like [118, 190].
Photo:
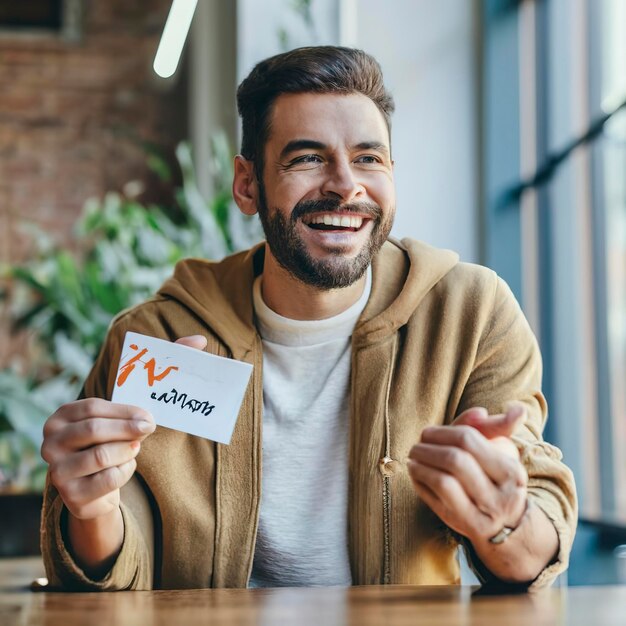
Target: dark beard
[334, 271]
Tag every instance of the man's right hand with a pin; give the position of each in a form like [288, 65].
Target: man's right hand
[90, 446]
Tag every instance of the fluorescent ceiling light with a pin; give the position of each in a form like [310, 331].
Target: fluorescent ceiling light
[174, 36]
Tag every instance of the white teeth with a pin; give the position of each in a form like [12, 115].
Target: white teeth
[344, 221]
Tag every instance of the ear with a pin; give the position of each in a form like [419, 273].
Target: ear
[245, 186]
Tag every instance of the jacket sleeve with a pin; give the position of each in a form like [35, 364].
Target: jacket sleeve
[508, 368]
[131, 569]
[133, 566]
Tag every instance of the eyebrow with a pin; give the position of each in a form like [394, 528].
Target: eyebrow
[310, 144]
[301, 144]
[372, 145]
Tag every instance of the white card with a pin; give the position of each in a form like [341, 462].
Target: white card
[183, 388]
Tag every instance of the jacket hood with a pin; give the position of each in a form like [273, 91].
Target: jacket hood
[402, 274]
[220, 293]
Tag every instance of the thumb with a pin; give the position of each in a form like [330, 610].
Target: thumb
[193, 341]
[492, 426]
[472, 417]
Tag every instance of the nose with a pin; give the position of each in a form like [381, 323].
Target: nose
[341, 182]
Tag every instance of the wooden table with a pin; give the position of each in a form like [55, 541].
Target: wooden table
[357, 606]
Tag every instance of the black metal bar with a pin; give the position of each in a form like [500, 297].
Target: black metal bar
[553, 161]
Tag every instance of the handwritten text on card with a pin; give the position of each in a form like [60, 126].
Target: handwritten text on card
[184, 388]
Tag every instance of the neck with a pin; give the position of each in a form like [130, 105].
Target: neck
[291, 298]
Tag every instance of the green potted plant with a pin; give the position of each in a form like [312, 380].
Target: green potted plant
[124, 250]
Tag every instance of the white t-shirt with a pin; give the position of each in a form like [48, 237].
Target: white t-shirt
[302, 537]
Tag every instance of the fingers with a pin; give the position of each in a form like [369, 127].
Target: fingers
[108, 480]
[447, 497]
[97, 430]
[491, 426]
[469, 473]
[87, 497]
[97, 407]
[193, 341]
[92, 421]
[93, 460]
[444, 495]
[464, 468]
[90, 446]
[498, 466]
[471, 417]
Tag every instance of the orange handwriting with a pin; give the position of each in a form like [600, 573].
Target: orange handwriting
[127, 367]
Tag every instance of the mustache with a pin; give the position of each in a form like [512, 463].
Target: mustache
[331, 205]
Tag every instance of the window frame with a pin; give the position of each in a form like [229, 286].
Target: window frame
[70, 29]
[521, 227]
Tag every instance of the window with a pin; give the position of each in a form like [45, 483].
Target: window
[555, 185]
[609, 43]
[34, 14]
[56, 17]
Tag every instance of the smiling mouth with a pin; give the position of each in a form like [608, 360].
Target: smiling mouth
[335, 222]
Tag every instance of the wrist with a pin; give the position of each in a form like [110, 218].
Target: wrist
[528, 550]
[95, 543]
[498, 536]
[508, 529]
[92, 523]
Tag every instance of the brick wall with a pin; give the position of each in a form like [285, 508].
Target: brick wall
[71, 117]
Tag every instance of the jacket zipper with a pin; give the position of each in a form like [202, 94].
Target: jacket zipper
[257, 373]
[386, 530]
[386, 471]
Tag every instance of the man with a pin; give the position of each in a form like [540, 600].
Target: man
[394, 409]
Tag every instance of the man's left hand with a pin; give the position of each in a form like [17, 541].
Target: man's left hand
[469, 473]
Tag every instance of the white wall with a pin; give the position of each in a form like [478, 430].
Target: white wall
[259, 23]
[426, 49]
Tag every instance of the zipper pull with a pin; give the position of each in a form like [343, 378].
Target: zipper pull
[388, 467]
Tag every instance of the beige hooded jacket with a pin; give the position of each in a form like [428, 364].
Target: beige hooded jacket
[436, 337]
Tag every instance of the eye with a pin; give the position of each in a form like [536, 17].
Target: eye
[368, 159]
[307, 158]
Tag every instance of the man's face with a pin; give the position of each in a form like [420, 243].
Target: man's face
[327, 198]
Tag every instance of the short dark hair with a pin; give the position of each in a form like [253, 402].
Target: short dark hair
[319, 69]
